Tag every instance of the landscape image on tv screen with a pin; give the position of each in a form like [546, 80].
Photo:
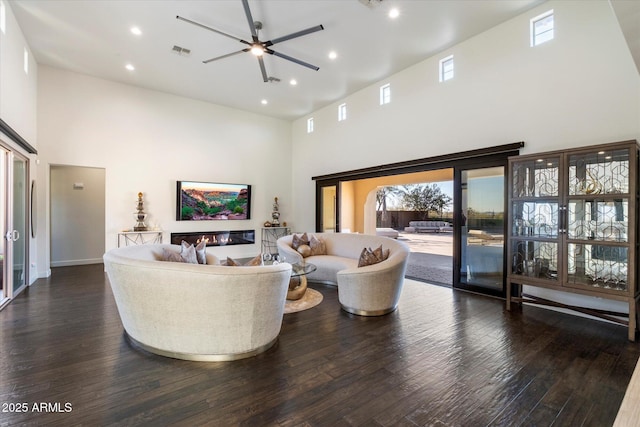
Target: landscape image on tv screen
[202, 201]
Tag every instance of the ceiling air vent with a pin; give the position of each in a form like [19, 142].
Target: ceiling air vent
[181, 50]
[371, 4]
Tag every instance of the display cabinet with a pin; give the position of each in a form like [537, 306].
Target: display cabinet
[573, 227]
[270, 235]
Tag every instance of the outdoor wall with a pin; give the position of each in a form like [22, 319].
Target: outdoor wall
[146, 141]
[364, 213]
[348, 207]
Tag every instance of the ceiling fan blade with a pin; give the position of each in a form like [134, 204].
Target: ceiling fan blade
[252, 25]
[289, 58]
[211, 29]
[263, 69]
[225, 56]
[294, 35]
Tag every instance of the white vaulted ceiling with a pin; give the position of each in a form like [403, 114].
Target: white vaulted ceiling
[93, 37]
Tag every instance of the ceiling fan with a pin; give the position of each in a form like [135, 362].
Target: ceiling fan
[256, 46]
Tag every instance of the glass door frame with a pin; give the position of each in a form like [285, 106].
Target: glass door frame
[474, 164]
[9, 156]
[472, 159]
[320, 185]
[22, 235]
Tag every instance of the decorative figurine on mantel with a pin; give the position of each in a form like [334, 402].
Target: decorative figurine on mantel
[140, 216]
[275, 215]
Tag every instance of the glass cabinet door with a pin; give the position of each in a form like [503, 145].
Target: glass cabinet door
[535, 224]
[598, 219]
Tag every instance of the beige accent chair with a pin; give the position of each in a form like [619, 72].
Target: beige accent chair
[196, 312]
[373, 290]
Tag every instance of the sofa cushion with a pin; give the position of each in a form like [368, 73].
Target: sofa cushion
[328, 267]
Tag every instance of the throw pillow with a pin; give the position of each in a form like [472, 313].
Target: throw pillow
[317, 245]
[370, 257]
[304, 250]
[188, 253]
[299, 240]
[200, 251]
[171, 256]
[257, 260]
[367, 258]
[381, 254]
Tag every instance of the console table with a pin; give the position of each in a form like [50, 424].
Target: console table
[130, 238]
[269, 237]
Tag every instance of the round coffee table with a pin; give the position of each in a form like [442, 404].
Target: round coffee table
[298, 281]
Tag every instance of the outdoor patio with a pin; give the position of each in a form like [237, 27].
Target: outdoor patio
[431, 258]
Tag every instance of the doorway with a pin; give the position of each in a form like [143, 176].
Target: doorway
[478, 263]
[77, 215]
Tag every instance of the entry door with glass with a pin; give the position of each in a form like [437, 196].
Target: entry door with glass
[482, 216]
[13, 224]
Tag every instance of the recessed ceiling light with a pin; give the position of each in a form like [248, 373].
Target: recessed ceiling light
[394, 13]
[130, 67]
[293, 82]
[333, 55]
[137, 31]
[264, 102]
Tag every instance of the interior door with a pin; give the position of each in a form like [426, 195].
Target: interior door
[480, 266]
[17, 234]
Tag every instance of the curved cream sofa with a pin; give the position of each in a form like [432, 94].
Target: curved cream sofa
[373, 290]
[196, 312]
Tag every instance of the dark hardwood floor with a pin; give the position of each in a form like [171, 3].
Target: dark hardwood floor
[443, 358]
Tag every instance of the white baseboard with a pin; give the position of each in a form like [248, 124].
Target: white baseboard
[76, 262]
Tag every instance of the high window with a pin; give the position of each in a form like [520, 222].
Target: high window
[446, 68]
[3, 18]
[310, 125]
[385, 94]
[342, 112]
[26, 61]
[541, 28]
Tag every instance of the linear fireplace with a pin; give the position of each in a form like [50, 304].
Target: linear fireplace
[216, 238]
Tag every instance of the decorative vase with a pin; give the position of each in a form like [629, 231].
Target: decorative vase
[140, 216]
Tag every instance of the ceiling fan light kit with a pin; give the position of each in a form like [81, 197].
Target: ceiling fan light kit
[256, 46]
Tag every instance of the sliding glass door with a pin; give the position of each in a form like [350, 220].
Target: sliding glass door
[18, 233]
[480, 266]
[13, 224]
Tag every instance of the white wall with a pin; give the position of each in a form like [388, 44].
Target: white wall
[147, 141]
[18, 100]
[580, 88]
[18, 90]
[77, 209]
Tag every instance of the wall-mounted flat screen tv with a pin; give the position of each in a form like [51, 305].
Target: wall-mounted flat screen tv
[205, 201]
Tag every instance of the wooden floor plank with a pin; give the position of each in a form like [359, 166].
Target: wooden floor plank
[443, 358]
